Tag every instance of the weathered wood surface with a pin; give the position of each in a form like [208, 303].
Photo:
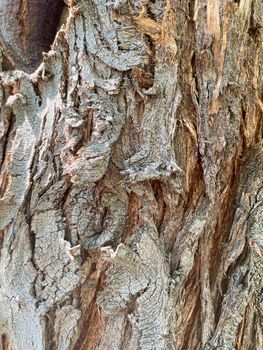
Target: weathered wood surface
[131, 196]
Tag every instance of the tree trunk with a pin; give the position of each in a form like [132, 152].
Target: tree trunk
[131, 195]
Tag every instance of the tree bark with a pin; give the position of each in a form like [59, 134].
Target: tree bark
[131, 195]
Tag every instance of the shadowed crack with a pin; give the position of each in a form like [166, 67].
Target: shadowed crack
[28, 27]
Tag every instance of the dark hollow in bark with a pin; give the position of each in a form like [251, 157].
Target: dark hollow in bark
[28, 27]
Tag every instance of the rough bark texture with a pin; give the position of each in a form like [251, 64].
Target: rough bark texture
[131, 208]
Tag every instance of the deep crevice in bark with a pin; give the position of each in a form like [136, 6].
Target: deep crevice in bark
[31, 32]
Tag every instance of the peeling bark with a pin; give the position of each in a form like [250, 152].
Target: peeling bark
[131, 157]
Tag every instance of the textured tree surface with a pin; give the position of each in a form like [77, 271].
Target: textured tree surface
[131, 192]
